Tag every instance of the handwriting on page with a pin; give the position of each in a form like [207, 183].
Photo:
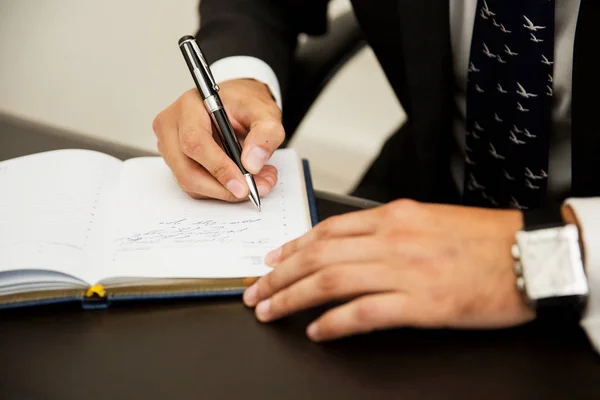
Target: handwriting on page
[192, 232]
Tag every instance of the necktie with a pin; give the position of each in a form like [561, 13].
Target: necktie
[509, 104]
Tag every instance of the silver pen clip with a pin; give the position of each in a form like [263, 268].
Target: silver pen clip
[213, 83]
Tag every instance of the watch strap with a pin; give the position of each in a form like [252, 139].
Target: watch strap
[541, 218]
[560, 310]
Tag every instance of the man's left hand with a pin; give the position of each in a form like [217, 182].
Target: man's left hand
[403, 264]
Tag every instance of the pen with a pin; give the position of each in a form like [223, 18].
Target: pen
[209, 90]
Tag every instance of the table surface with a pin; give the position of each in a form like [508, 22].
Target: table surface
[216, 349]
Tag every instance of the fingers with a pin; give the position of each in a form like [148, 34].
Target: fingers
[191, 176]
[335, 283]
[196, 141]
[312, 258]
[352, 224]
[366, 314]
[201, 167]
[265, 136]
[266, 179]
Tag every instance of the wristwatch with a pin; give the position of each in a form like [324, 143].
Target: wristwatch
[549, 265]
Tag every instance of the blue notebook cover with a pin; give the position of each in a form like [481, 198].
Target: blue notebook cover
[102, 302]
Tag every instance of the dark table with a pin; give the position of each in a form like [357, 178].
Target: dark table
[216, 349]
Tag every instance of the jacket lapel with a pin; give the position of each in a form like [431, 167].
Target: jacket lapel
[585, 136]
[411, 39]
[425, 41]
[426, 48]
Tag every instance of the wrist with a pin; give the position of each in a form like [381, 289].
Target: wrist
[246, 67]
[250, 87]
[263, 87]
[549, 265]
[569, 217]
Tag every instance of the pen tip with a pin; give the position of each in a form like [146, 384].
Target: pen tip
[253, 195]
[255, 200]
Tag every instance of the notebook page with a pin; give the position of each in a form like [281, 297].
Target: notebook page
[161, 232]
[49, 207]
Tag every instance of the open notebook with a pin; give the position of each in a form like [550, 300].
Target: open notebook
[78, 225]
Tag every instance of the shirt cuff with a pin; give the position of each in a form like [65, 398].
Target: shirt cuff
[239, 67]
[587, 213]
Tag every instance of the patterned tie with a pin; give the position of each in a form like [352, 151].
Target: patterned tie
[509, 104]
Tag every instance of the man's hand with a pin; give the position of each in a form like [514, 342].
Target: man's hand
[401, 264]
[201, 167]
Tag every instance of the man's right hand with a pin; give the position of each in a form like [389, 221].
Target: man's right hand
[201, 167]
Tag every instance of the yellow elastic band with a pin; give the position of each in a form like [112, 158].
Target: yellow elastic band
[96, 289]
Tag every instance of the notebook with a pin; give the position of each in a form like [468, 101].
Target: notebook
[78, 225]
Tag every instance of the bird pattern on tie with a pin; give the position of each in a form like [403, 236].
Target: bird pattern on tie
[509, 104]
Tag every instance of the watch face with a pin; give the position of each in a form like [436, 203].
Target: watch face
[551, 262]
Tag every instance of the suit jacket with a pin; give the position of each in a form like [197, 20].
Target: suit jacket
[411, 39]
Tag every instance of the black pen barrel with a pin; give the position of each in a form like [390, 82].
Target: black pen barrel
[232, 145]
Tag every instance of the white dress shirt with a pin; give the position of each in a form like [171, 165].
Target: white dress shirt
[462, 14]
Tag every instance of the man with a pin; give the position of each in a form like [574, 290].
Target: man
[498, 95]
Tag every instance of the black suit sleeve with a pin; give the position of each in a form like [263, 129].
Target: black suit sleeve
[265, 29]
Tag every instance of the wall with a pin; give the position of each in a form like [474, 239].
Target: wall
[102, 68]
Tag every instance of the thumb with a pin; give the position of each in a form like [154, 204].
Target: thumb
[265, 136]
[260, 116]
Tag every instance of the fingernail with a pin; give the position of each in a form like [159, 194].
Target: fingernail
[236, 188]
[262, 309]
[257, 159]
[270, 179]
[313, 331]
[250, 295]
[263, 190]
[273, 256]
